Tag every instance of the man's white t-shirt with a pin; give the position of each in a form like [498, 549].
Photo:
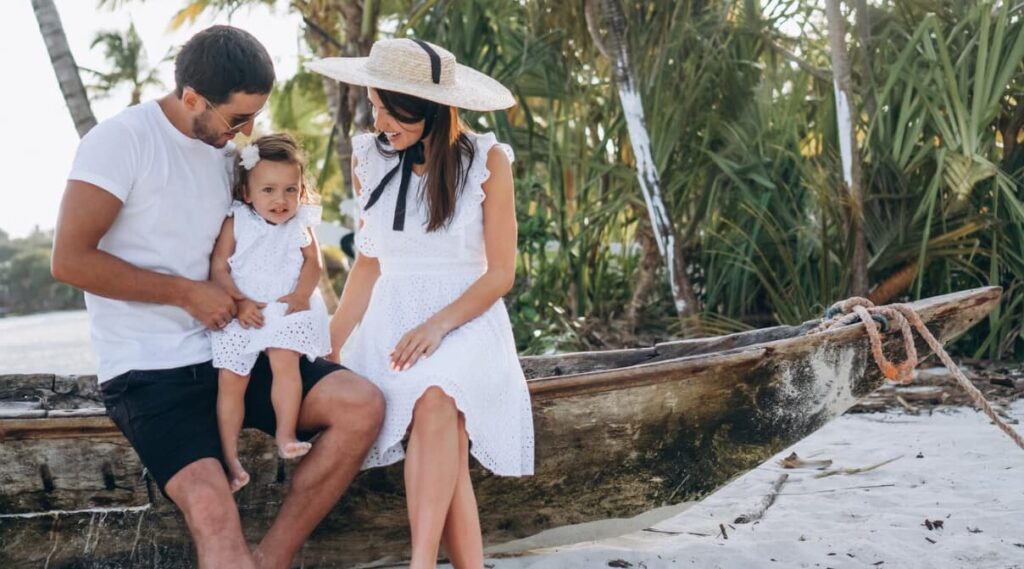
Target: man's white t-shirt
[176, 193]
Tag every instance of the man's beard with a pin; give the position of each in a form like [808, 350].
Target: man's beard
[201, 131]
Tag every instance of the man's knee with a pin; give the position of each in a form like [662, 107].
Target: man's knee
[374, 403]
[201, 491]
[356, 403]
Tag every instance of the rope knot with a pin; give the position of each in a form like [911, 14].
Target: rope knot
[907, 320]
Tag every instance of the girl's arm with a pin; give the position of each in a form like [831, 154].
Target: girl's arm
[249, 314]
[220, 270]
[500, 235]
[356, 295]
[309, 277]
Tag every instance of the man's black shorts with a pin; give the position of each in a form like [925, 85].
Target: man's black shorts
[170, 415]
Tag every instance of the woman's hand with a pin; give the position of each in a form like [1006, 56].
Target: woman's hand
[296, 302]
[419, 342]
[249, 313]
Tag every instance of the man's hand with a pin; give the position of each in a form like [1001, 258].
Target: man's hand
[296, 302]
[249, 313]
[210, 304]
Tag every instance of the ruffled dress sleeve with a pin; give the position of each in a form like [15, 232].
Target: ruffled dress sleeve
[244, 230]
[368, 164]
[470, 205]
[236, 207]
[307, 217]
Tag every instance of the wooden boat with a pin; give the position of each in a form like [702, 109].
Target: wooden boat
[618, 432]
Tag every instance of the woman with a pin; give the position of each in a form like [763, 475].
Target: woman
[437, 243]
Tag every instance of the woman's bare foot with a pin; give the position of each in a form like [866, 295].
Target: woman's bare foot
[288, 449]
[237, 475]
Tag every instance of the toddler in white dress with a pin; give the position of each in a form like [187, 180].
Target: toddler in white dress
[267, 254]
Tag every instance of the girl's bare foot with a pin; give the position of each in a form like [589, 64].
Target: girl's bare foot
[237, 475]
[292, 448]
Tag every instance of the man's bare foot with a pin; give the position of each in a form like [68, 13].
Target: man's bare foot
[292, 448]
[237, 475]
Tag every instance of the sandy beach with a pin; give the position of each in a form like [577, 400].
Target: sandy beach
[953, 497]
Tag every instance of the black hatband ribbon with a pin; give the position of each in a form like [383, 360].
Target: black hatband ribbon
[435, 61]
[412, 155]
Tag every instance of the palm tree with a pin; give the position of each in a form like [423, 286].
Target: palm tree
[616, 48]
[127, 57]
[848, 145]
[64, 65]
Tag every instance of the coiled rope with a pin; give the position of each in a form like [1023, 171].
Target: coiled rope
[906, 319]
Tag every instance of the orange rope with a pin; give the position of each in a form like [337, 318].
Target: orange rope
[905, 318]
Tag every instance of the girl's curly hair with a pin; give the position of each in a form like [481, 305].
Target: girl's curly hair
[280, 147]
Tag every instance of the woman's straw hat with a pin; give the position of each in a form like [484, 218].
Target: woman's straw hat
[420, 69]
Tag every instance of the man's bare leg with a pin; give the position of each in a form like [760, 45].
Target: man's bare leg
[349, 410]
[202, 493]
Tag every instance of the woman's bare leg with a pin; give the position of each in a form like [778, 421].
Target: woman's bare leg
[230, 414]
[431, 472]
[286, 396]
[462, 540]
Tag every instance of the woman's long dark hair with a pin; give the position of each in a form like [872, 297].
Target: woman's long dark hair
[448, 143]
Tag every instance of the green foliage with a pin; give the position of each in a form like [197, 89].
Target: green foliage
[25, 282]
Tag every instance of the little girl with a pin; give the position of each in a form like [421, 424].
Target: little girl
[266, 252]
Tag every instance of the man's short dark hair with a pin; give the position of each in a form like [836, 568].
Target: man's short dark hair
[221, 60]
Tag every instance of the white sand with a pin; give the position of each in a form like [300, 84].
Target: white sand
[954, 467]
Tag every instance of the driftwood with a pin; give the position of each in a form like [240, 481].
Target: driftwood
[794, 461]
[766, 502]
[857, 470]
[617, 433]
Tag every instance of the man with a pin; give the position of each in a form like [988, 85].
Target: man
[147, 193]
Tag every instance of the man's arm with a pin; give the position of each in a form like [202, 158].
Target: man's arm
[86, 214]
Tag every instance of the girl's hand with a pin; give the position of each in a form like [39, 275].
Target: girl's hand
[419, 342]
[295, 302]
[249, 313]
[334, 356]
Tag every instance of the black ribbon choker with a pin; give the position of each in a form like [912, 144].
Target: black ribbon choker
[411, 155]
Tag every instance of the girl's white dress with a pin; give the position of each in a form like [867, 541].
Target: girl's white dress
[265, 266]
[421, 273]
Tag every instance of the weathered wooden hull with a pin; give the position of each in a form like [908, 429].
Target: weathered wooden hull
[617, 433]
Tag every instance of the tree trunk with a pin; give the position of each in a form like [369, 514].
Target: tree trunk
[863, 23]
[348, 106]
[895, 284]
[848, 145]
[64, 65]
[644, 281]
[616, 48]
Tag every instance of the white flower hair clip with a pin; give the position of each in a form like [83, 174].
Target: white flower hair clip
[249, 156]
